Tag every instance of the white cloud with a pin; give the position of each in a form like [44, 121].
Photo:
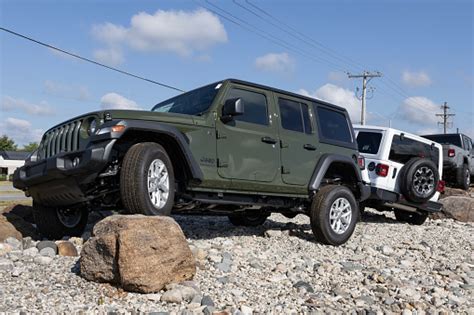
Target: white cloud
[80, 93]
[339, 96]
[416, 79]
[111, 56]
[20, 130]
[275, 62]
[13, 104]
[117, 101]
[419, 110]
[165, 31]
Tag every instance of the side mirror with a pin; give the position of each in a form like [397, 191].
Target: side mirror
[232, 107]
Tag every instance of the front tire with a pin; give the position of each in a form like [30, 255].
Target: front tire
[415, 218]
[464, 177]
[333, 215]
[55, 223]
[147, 183]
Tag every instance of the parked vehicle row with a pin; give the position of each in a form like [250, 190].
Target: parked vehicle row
[231, 148]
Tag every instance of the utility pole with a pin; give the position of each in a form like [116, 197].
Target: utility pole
[445, 117]
[366, 77]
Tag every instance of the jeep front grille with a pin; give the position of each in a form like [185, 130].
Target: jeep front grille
[64, 138]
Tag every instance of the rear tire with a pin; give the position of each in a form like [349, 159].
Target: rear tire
[415, 218]
[334, 214]
[55, 223]
[464, 177]
[419, 179]
[248, 218]
[147, 184]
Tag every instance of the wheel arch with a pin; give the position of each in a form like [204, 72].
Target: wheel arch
[330, 165]
[171, 139]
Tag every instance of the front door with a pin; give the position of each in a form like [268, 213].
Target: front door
[247, 146]
[298, 140]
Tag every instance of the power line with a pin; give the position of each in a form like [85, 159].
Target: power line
[366, 77]
[89, 60]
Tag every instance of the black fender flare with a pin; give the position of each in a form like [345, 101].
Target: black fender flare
[174, 133]
[323, 165]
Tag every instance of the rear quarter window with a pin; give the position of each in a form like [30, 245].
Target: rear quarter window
[334, 126]
[369, 142]
[403, 149]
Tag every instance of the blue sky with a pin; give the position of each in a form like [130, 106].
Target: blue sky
[423, 48]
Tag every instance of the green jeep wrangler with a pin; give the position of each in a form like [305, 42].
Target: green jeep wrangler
[231, 148]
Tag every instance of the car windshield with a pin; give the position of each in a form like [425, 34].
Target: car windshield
[369, 142]
[195, 102]
[446, 139]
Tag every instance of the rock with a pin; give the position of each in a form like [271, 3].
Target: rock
[32, 251]
[459, 208]
[22, 211]
[14, 243]
[155, 297]
[47, 244]
[224, 267]
[77, 241]
[303, 285]
[7, 230]
[207, 301]
[25, 228]
[172, 296]
[48, 252]
[27, 242]
[43, 260]
[66, 248]
[246, 310]
[5, 264]
[5, 249]
[139, 253]
[449, 191]
[273, 233]
[387, 250]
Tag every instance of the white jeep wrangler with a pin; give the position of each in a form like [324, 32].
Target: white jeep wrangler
[404, 171]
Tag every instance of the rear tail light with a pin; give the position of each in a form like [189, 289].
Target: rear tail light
[451, 153]
[382, 170]
[441, 185]
[361, 162]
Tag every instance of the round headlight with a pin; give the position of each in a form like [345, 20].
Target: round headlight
[92, 127]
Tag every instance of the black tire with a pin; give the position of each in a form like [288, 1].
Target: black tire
[248, 218]
[55, 223]
[134, 179]
[419, 179]
[320, 214]
[415, 218]
[463, 177]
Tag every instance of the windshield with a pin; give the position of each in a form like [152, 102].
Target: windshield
[194, 102]
[369, 142]
[446, 139]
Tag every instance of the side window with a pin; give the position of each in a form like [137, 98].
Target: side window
[294, 116]
[403, 149]
[255, 106]
[333, 125]
[369, 142]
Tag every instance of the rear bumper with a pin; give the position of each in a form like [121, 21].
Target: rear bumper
[57, 181]
[395, 200]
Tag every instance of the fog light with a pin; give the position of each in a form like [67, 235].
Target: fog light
[76, 161]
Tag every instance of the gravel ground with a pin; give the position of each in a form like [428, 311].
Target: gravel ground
[277, 268]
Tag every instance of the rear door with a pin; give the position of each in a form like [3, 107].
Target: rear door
[468, 148]
[247, 147]
[298, 140]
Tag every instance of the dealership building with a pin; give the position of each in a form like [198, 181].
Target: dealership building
[11, 160]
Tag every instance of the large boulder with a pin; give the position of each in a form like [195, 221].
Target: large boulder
[448, 192]
[8, 230]
[458, 208]
[139, 253]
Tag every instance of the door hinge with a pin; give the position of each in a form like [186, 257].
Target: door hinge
[285, 170]
[221, 164]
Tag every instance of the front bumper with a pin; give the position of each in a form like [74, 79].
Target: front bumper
[58, 181]
[391, 199]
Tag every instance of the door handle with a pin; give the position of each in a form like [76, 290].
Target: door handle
[309, 147]
[269, 140]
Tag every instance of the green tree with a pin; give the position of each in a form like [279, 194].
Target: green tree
[7, 144]
[30, 147]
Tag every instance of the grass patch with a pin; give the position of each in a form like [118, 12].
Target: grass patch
[6, 203]
[5, 183]
[10, 192]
